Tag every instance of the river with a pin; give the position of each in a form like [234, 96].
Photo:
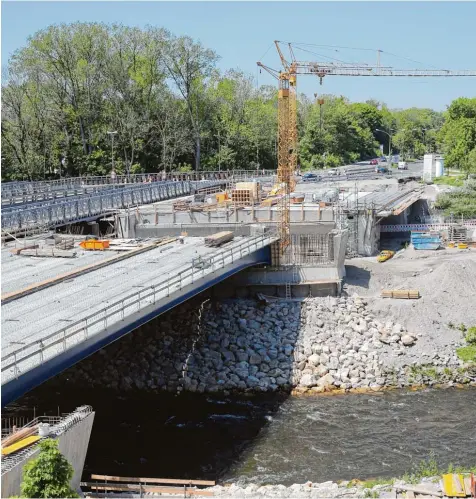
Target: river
[270, 439]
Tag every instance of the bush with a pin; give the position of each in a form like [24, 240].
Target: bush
[471, 336]
[467, 354]
[49, 474]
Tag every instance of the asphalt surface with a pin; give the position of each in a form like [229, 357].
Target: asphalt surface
[364, 170]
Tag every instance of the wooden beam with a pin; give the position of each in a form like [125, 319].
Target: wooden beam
[145, 488]
[152, 480]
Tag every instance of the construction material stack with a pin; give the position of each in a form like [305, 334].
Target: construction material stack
[218, 239]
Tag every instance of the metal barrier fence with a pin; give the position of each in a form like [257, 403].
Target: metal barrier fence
[59, 212]
[20, 188]
[423, 227]
[10, 198]
[59, 425]
[33, 354]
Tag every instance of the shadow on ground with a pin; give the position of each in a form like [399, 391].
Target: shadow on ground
[357, 276]
[168, 434]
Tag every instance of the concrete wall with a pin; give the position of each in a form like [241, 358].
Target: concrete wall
[368, 233]
[200, 230]
[148, 223]
[73, 444]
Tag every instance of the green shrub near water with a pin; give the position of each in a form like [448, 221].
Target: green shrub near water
[49, 474]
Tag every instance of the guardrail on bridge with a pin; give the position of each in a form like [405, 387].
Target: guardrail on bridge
[35, 353]
[73, 209]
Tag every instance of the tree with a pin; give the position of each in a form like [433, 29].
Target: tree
[189, 65]
[458, 134]
[49, 474]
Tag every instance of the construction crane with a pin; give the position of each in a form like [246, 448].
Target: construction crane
[287, 113]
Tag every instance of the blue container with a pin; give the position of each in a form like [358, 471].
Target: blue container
[425, 240]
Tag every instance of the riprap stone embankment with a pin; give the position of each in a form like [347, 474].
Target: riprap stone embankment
[316, 345]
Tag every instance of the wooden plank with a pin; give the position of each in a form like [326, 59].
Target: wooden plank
[20, 445]
[145, 488]
[176, 481]
[418, 490]
[17, 251]
[400, 293]
[18, 435]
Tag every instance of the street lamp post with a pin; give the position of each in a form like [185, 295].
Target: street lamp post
[389, 144]
[111, 134]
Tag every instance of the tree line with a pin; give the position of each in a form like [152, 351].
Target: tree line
[82, 98]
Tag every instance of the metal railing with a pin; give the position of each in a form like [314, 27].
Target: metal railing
[10, 198]
[58, 212]
[35, 353]
[25, 187]
[423, 227]
[9, 423]
[59, 425]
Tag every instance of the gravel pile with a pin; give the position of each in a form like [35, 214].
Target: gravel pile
[447, 283]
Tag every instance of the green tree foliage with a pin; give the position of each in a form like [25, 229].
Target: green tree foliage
[343, 135]
[458, 135]
[460, 202]
[49, 474]
[170, 106]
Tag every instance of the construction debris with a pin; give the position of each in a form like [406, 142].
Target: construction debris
[407, 294]
[48, 253]
[418, 490]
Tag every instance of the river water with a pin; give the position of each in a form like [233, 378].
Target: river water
[270, 439]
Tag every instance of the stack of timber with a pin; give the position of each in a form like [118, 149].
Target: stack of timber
[20, 439]
[183, 488]
[48, 252]
[181, 205]
[219, 238]
[407, 294]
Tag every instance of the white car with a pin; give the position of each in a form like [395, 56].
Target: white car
[402, 165]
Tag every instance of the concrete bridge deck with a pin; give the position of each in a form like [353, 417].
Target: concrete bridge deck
[46, 331]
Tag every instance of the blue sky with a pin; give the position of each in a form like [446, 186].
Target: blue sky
[439, 34]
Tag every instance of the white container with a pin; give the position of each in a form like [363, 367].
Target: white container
[439, 167]
[44, 429]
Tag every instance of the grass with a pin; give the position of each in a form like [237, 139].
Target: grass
[424, 371]
[470, 337]
[452, 181]
[467, 354]
[373, 482]
[429, 468]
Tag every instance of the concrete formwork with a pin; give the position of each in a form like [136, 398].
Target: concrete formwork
[73, 444]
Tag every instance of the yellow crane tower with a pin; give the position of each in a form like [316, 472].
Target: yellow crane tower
[287, 113]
